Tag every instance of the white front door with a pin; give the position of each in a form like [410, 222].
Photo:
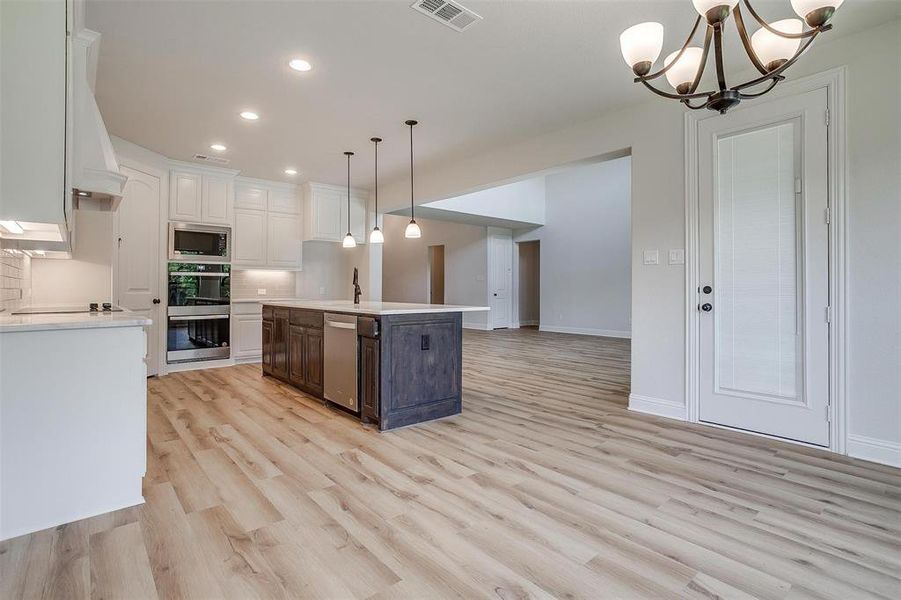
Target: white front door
[138, 257]
[763, 266]
[500, 276]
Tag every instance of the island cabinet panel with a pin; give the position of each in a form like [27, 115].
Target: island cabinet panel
[292, 347]
[296, 355]
[312, 349]
[421, 368]
[370, 369]
[267, 345]
[280, 343]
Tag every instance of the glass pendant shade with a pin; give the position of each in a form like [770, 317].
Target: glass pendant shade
[815, 12]
[349, 241]
[773, 50]
[412, 231]
[682, 74]
[641, 45]
[703, 6]
[376, 236]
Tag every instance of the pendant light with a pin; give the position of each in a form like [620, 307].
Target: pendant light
[376, 237]
[412, 230]
[349, 241]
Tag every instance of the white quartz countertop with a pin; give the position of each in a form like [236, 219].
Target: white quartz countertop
[375, 308]
[261, 300]
[48, 322]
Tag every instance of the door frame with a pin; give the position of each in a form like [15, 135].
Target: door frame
[505, 233]
[833, 81]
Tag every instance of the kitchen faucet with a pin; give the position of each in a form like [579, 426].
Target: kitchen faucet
[357, 291]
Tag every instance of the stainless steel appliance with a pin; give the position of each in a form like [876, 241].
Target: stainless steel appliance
[199, 303]
[340, 368]
[199, 243]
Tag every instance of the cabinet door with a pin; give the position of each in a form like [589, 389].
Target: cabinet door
[184, 196]
[284, 242]
[248, 336]
[369, 374]
[267, 341]
[216, 200]
[326, 216]
[313, 358]
[280, 344]
[250, 197]
[296, 355]
[249, 243]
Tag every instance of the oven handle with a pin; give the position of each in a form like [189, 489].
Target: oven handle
[198, 273]
[197, 317]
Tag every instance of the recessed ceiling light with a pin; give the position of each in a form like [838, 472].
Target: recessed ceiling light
[290, 171]
[218, 147]
[250, 115]
[299, 64]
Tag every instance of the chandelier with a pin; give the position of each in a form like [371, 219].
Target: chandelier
[772, 49]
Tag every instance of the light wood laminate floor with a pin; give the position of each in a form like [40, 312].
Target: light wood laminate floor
[546, 486]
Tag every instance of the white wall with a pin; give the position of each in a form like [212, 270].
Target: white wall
[585, 250]
[528, 282]
[405, 264]
[519, 201]
[328, 271]
[653, 131]
[87, 276]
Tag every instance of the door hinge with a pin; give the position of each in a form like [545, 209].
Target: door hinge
[827, 117]
[827, 215]
[798, 185]
[828, 314]
[828, 414]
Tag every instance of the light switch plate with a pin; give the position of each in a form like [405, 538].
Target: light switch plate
[677, 256]
[651, 257]
[261, 291]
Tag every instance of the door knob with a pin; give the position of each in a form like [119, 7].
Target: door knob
[495, 295]
[156, 300]
[707, 307]
[707, 289]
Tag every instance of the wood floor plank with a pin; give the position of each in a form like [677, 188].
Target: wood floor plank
[546, 486]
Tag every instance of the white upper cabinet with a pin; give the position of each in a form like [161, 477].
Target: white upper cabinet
[201, 195]
[267, 225]
[249, 238]
[325, 213]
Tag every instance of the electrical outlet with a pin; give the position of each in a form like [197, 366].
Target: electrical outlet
[261, 291]
[651, 257]
[677, 256]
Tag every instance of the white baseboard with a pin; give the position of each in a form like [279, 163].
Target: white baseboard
[586, 331]
[874, 449]
[241, 360]
[657, 406]
[479, 326]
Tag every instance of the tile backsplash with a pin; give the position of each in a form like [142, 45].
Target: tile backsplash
[245, 283]
[15, 279]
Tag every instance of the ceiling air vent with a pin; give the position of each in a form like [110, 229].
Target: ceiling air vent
[216, 160]
[449, 13]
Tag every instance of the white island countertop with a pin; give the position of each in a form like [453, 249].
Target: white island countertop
[86, 320]
[375, 308]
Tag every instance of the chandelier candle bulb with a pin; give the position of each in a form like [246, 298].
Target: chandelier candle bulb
[816, 12]
[641, 45]
[773, 50]
[682, 74]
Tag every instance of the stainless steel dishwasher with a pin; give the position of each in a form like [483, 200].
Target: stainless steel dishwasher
[340, 369]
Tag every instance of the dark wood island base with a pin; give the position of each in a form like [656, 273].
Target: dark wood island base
[409, 365]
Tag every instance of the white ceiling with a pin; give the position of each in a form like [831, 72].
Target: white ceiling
[174, 75]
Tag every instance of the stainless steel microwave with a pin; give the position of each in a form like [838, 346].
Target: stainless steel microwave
[199, 243]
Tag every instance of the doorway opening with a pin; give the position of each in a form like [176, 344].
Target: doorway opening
[529, 280]
[436, 274]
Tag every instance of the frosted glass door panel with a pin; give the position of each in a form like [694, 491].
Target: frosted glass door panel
[757, 264]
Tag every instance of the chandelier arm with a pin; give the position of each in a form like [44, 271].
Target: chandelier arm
[746, 41]
[773, 83]
[676, 59]
[692, 107]
[718, 55]
[777, 72]
[703, 64]
[791, 36]
[682, 97]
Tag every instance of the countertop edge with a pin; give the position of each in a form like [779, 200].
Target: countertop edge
[314, 305]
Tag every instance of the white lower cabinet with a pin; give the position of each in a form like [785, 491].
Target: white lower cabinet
[247, 330]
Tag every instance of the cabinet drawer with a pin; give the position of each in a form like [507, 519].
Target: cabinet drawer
[306, 318]
[267, 313]
[368, 327]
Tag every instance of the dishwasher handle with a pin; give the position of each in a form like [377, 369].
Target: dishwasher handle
[340, 325]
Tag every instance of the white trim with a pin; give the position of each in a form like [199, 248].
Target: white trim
[245, 360]
[833, 81]
[586, 331]
[198, 365]
[13, 533]
[657, 406]
[873, 449]
[479, 326]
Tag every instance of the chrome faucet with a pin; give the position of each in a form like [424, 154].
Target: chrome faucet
[357, 291]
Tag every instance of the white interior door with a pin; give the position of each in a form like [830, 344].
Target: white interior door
[138, 257]
[763, 266]
[500, 277]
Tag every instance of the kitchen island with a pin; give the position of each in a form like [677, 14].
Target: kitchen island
[387, 363]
